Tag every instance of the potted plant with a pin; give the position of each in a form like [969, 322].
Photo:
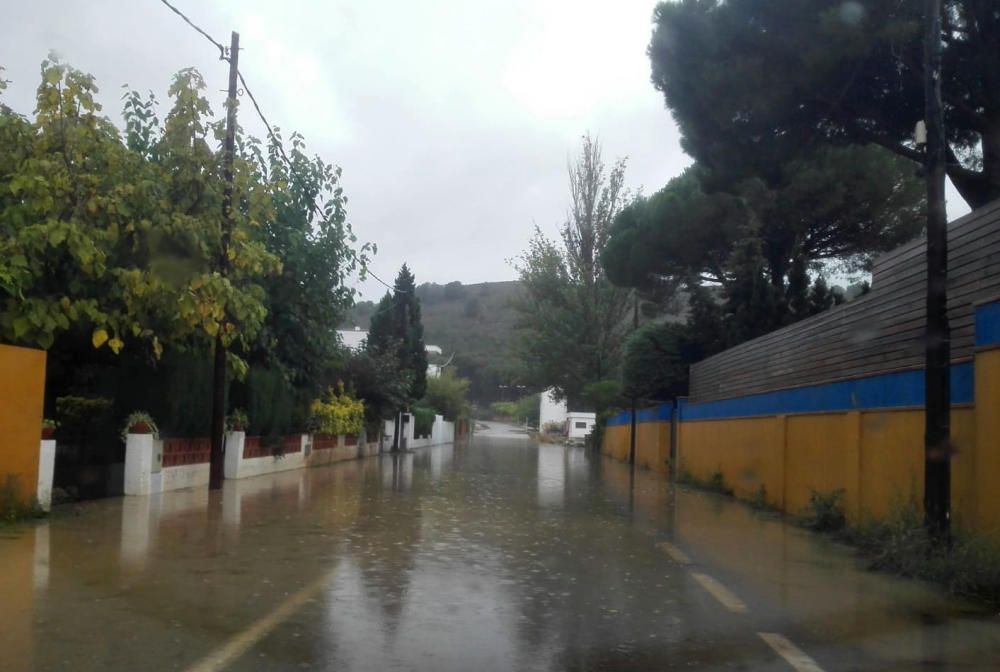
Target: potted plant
[237, 421]
[139, 422]
[48, 428]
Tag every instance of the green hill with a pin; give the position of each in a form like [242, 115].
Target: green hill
[473, 322]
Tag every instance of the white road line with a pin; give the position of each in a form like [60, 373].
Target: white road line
[242, 642]
[678, 556]
[792, 654]
[721, 593]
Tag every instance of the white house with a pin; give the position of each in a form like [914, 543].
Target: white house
[550, 410]
[579, 425]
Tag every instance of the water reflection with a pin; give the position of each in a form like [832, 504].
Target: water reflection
[497, 556]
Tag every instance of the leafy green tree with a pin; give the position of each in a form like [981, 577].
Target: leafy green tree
[121, 238]
[753, 83]
[396, 326]
[376, 377]
[571, 317]
[656, 362]
[448, 395]
[841, 205]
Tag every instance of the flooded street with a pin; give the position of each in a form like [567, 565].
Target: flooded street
[500, 555]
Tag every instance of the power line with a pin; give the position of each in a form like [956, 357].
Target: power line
[222, 49]
[314, 208]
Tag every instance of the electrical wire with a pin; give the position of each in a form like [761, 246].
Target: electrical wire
[314, 208]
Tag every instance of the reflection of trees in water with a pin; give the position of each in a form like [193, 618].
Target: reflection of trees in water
[384, 542]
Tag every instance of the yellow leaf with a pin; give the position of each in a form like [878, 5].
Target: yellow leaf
[116, 345]
[99, 338]
[64, 302]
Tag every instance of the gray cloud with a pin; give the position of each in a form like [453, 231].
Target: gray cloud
[452, 120]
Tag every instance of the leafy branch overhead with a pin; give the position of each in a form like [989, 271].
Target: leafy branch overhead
[119, 233]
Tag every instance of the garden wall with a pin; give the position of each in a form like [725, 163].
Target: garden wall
[22, 393]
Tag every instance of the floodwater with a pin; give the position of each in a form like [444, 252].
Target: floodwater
[499, 555]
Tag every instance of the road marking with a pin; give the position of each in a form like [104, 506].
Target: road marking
[721, 593]
[678, 556]
[242, 642]
[792, 654]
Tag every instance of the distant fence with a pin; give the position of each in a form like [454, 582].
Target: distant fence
[881, 332]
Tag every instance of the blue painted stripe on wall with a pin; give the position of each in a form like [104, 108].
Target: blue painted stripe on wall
[659, 413]
[892, 390]
[988, 324]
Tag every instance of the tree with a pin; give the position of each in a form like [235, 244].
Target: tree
[656, 362]
[571, 318]
[842, 205]
[753, 83]
[760, 242]
[396, 327]
[448, 394]
[119, 239]
[376, 377]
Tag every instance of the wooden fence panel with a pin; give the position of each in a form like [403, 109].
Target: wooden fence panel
[877, 333]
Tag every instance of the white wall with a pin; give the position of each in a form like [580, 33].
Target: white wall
[550, 410]
[574, 432]
[142, 479]
[46, 472]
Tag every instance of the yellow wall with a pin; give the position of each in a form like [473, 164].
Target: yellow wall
[748, 451]
[875, 456]
[616, 442]
[986, 461]
[22, 390]
[652, 445]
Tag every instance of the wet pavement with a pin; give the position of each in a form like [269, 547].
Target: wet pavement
[500, 555]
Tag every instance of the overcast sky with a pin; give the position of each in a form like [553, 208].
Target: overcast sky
[452, 119]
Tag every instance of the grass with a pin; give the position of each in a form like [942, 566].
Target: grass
[898, 544]
[715, 482]
[824, 513]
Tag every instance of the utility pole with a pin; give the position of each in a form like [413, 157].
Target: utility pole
[635, 326]
[216, 462]
[937, 411]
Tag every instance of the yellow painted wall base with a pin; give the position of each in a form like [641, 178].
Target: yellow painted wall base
[22, 390]
[652, 444]
[875, 456]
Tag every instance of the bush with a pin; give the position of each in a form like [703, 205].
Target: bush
[447, 395]
[825, 512]
[14, 507]
[901, 544]
[716, 482]
[340, 414]
[423, 421]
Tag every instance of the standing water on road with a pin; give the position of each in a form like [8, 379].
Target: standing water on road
[500, 555]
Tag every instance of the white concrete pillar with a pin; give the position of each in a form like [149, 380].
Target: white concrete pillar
[138, 464]
[234, 454]
[46, 472]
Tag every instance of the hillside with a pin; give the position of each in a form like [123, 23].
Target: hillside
[475, 322]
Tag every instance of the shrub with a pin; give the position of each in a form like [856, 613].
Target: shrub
[901, 544]
[716, 482]
[825, 512]
[13, 506]
[237, 420]
[423, 421]
[137, 419]
[340, 414]
[758, 501]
